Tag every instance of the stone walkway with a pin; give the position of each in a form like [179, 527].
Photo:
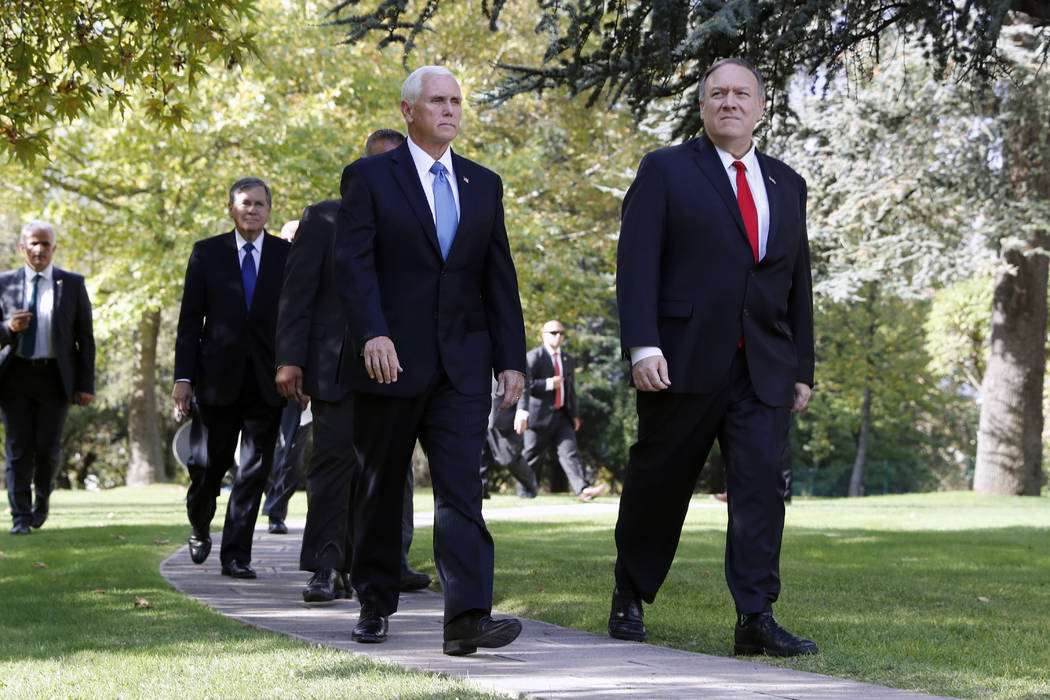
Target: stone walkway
[546, 661]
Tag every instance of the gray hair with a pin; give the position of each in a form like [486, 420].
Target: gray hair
[35, 225]
[733, 62]
[247, 183]
[413, 85]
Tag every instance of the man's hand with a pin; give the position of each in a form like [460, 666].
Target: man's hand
[510, 386]
[576, 424]
[181, 395]
[650, 374]
[557, 381]
[521, 425]
[19, 321]
[289, 383]
[381, 360]
[802, 394]
[82, 398]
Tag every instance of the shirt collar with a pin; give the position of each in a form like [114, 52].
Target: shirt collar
[47, 273]
[423, 160]
[550, 350]
[749, 159]
[241, 240]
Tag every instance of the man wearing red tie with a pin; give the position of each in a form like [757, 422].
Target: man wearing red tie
[548, 413]
[716, 315]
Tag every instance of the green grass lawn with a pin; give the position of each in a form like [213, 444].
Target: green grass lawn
[941, 593]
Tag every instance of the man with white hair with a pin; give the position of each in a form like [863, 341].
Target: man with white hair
[430, 294]
[47, 362]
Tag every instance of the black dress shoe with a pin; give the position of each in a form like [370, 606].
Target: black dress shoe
[200, 548]
[625, 618]
[761, 634]
[413, 580]
[370, 627]
[19, 529]
[344, 580]
[277, 527]
[325, 585]
[476, 629]
[39, 515]
[237, 570]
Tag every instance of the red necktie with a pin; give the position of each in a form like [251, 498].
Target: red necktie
[746, 203]
[557, 392]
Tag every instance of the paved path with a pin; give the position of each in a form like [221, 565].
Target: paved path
[546, 661]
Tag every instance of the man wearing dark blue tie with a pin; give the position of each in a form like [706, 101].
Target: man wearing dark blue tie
[431, 298]
[716, 315]
[224, 360]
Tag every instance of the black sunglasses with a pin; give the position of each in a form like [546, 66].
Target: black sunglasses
[555, 332]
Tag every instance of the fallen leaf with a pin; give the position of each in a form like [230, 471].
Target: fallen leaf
[250, 626]
[533, 571]
[98, 591]
[983, 599]
[117, 537]
[705, 574]
[161, 541]
[38, 565]
[142, 603]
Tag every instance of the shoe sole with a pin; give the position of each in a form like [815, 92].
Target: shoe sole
[367, 638]
[627, 636]
[751, 650]
[318, 598]
[492, 640]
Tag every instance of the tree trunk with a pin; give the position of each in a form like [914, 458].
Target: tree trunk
[146, 465]
[856, 480]
[1009, 434]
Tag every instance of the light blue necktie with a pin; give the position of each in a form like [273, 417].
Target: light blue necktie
[445, 217]
[29, 334]
[248, 273]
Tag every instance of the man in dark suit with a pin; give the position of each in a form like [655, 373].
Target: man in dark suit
[224, 359]
[716, 315]
[431, 298]
[503, 447]
[548, 413]
[313, 350]
[47, 361]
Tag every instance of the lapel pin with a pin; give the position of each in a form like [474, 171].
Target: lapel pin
[466, 180]
[771, 179]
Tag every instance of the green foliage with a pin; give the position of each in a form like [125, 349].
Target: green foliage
[957, 332]
[63, 58]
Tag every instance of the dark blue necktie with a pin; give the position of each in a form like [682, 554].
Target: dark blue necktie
[248, 273]
[29, 335]
[446, 220]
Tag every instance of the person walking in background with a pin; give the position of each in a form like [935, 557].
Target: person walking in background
[47, 362]
[431, 298]
[224, 359]
[503, 448]
[716, 315]
[548, 413]
[313, 350]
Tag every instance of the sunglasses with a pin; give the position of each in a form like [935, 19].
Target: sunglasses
[554, 332]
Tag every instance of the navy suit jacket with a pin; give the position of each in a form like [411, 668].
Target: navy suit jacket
[462, 314]
[72, 337]
[311, 328]
[686, 279]
[536, 399]
[217, 333]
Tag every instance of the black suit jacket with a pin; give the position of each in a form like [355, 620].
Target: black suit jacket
[216, 333]
[536, 399]
[311, 328]
[686, 279]
[463, 314]
[72, 337]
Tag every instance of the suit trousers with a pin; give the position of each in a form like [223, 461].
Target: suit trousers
[559, 432]
[34, 407]
[503, 447]
[451, 428]
[330, 478]
[287, 463]
[675, 435]
[257, 423]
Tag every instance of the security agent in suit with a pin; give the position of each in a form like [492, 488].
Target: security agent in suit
[313, 349]
[715, 302]
[47, 361]
[431, 299]
[548, 413]
[224, 358]
[503, 447]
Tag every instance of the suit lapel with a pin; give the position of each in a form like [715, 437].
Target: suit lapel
[711, 165]
[269, 269]
[57, 287]
[467, 195]
[230, 252]
[773, 194]
[407, 178]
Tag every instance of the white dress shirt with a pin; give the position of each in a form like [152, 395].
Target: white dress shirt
[257, 244]
[753, 172]
[45, 306]
[423, 162]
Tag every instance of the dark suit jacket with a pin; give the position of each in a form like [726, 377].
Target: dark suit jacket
[311, 328]
[72, 338]
[216, 333]
[536, 399]
[462, 314]
[686, 278]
